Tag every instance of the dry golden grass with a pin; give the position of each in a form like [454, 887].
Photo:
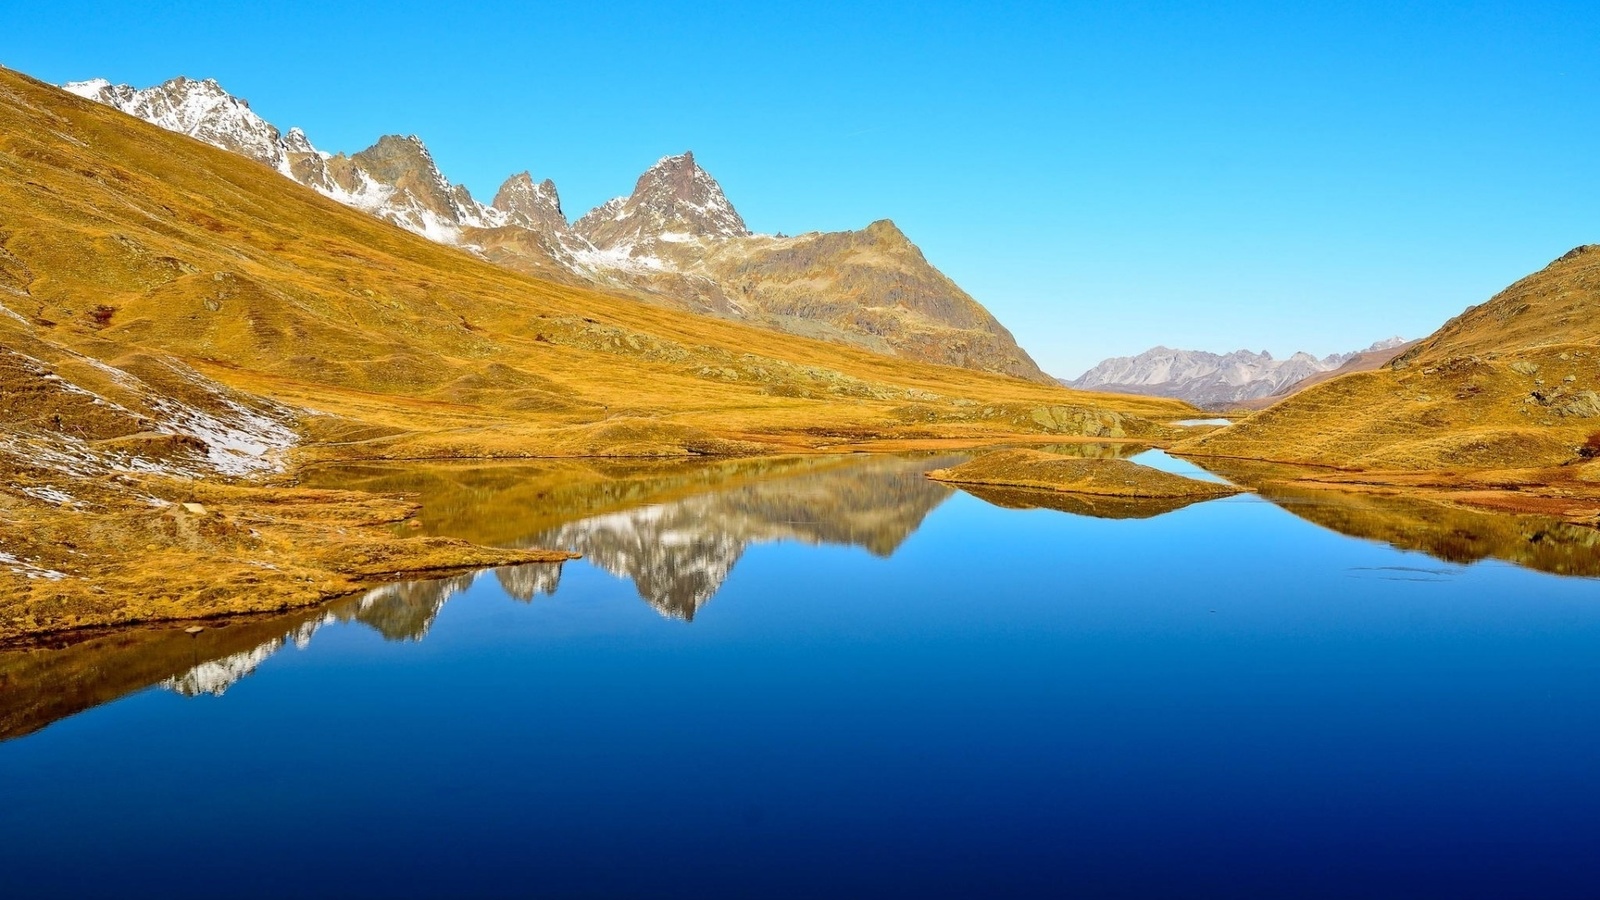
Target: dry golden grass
[211, 549]
[1509, 384]
[1038, 470]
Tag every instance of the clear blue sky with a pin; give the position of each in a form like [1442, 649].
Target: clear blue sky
[1104, 176]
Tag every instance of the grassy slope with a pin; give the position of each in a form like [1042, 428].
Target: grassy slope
[1509, 384]
[1365, 361]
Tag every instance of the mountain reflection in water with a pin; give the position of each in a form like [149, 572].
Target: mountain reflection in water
[39, 685]
[677, 553]
[676, 531]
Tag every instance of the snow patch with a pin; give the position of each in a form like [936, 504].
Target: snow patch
[29, 570]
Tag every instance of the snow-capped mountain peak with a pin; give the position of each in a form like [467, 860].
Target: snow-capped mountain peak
[200, 109]
[395, 179]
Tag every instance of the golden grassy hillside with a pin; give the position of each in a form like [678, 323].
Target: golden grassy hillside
[1509, 384]
[182, 327]
[1452, 522]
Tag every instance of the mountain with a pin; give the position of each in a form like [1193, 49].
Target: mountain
[185, 331]
[675, 529]
[394, 179]
[199, 109]
[679, 553]
[674, 201]
[1378, 355]
[1512, 383]
[675, 240]
[1210, 380]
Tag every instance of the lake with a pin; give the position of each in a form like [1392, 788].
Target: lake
[830, 676]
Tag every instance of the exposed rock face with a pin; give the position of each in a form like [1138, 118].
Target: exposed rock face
[871, 287]
[1210, 380]
[529, 205]
[674, 201]
[396, 179]
[676, 240]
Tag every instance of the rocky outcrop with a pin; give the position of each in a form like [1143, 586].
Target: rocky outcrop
[525, 204]
[674, 201]
[396, 179]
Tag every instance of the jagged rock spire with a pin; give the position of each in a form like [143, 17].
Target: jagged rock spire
[673, 199]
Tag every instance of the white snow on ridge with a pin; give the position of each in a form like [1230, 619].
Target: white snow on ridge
[238, 440]
[200, 109]
[27, 569]
[675, 202]
[206, 112]
[214, 677]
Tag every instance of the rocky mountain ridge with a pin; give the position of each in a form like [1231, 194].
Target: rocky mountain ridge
[676, 240]
[1212, 380]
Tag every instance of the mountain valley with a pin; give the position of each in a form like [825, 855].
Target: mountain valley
[184, 331]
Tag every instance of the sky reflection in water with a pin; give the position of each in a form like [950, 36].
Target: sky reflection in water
[854, 680]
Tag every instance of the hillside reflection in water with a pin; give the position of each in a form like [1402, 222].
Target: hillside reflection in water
[851, 680]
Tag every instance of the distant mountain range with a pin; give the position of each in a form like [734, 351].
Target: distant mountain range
[675, 240]
[1219, 381]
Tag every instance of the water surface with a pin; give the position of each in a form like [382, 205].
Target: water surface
[831, 676]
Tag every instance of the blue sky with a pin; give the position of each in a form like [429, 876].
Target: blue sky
[1103, 176]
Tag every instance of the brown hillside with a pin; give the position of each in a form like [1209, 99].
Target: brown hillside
[1511, 383]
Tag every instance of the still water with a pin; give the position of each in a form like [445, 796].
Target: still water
[833, 677]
